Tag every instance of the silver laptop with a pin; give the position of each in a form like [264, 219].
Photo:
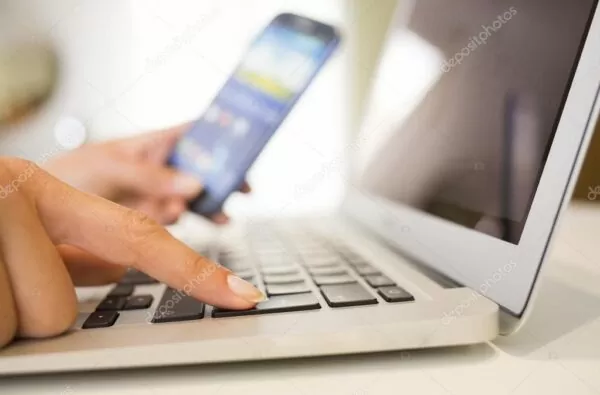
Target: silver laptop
[478, 121]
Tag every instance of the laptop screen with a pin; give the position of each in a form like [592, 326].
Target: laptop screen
[465, 105]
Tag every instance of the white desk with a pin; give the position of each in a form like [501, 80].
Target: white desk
[558, 352]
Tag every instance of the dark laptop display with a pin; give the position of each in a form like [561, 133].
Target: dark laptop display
[492, 77]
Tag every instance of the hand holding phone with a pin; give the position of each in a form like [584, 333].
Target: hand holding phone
[279, 66]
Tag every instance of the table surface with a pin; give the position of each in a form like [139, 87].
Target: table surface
[557, 352]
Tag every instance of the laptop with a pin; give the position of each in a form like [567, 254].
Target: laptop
[478, 119]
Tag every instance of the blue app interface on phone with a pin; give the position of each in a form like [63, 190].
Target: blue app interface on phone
[248, 109]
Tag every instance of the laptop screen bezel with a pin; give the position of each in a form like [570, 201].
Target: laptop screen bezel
[469, 257]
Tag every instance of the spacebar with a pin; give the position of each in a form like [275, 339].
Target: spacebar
[275, 304]
[177, 306]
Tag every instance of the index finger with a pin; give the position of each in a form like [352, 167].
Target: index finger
[130, 238]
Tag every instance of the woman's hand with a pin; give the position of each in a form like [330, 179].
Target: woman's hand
[133, 173]
[52, 236]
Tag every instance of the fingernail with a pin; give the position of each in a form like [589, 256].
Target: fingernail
[245, 290]
[187, 185]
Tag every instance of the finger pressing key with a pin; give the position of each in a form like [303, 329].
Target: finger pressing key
[130, 238]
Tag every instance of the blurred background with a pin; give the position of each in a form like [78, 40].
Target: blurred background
[121, 67]
[107, 69]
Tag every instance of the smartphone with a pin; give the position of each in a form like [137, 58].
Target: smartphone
[277, 68]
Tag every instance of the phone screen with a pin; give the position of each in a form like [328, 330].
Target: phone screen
[224, 142]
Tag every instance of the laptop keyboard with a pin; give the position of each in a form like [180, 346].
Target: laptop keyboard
[292, 269]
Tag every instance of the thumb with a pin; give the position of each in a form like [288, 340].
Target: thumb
[157, 181]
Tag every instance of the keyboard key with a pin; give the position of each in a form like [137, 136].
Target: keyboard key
[318, 254]
[351, 255]
[327, 270]
[177, 306]
[287, 269]
[100, 319]
[328, 262]
[380, 280]
[270, 248]
[283, 278]
[265, 262]
[112, 303]
[276, 304]
[346, 295]
[330, 280]
[122, 290]
[233, 256]
[137, 278]
[138, 302]
[287, 289]
[238, 267]
[240, 260]
[235, 263]
[245, 274]
[395, 294]
[251, 280]
[278, 251]
[366, 270]
[307, 245]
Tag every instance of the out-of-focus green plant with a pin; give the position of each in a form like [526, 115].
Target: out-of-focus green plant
[28, 75]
